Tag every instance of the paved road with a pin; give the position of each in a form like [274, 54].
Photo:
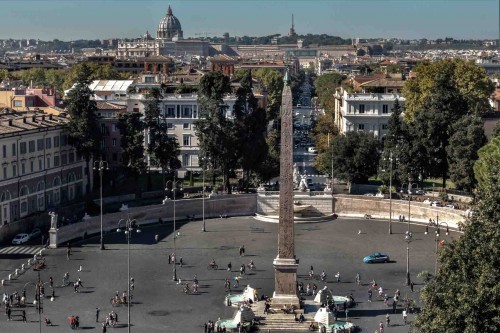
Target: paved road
[159, 304]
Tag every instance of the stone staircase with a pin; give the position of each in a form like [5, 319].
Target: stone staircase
[277, 321]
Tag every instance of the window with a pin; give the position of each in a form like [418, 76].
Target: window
[185, 160]
[361, 126]
[4, 151]
[48, 162]
[23, 147]
[186, 140]
[71, 157]
[48, 142]
[113, 127]
[103, 129]
[64, 159]
[32, 166]
[115, 157]
[187, 111]
[185, 126]
[56, 141]
[31, 146]
[361, 108]
[4, 172]
[170, 125]
[56, 161]
[39, 144]
[114, 142]
[14, 149]
[149, 79]
[23, 167]
[384, 126]
[135, 109]
[64, 140]
[14, 170]
[170, 111]
[18, 104]
[385, 108]
[24, 207]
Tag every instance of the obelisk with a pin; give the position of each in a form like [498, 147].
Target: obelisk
[285, 264]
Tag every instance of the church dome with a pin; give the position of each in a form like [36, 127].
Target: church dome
[169, 27]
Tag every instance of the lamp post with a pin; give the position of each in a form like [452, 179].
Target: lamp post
[409, 203]
[204, 160]
[101, 166]
[38, 299]
[174, 185]
[408, 237]
[129, 227]
[390, 194]
[331, 160]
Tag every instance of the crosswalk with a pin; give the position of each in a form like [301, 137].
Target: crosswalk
[20, 250]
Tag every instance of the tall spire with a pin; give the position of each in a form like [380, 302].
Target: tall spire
[169, 10]
[291, 31]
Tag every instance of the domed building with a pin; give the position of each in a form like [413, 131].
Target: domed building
[169, 27]
[169, 42]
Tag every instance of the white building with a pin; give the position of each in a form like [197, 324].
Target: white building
[39, 169]
[365, 111]
[180, 111]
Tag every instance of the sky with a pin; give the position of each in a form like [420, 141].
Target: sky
[99, 19]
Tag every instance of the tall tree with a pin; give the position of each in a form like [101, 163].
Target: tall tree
[83, 128]
[466, 81]
[467, 138]
[464, 296]
[250, 127]
[482, 167]
[393, 144]
[216, 133]
[325, 89]
[355, 156]
[132, 142]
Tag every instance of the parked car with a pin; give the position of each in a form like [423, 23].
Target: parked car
[368, 194]
[427, 201]
[450, 206]
[376, 257]
[20, 239]
[436, 204]
[419, 192]
[312, 150]
[35, 233]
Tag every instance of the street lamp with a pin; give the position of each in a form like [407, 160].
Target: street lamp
[101, 166]
[408, 237]
[204, 160]
[38, 299]
[129, 227]
[390, 193]
[174, 185]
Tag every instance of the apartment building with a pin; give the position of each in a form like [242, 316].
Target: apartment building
[39, 169]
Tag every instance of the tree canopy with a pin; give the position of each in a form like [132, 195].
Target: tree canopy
[464, 296]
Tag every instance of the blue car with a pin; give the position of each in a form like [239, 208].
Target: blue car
[376, 257]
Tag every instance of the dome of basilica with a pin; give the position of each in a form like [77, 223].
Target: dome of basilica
[169, 27]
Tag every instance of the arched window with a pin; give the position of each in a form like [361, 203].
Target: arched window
[56, 182]
[5, 196]
[71, 177]
[24, 191]
[40, 186]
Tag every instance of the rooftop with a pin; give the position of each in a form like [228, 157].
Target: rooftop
[14, 122]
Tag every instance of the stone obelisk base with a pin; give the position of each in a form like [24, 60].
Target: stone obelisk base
[285, 292]
[53, 238]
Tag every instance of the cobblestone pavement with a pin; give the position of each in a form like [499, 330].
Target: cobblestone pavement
[159, 305]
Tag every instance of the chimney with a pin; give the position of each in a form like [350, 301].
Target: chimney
[24, 120]
[43, 117]
[50, 116]
[33, 119]
[10, 122]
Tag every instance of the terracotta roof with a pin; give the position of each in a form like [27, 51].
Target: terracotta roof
[23, 121]
[384, 82]
[102, 105]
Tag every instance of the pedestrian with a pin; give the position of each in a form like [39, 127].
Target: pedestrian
[24, 316]
[72, 322]
[181, 262]
[206, 328]
[51, 281]
[337, 276]
[169, 259]
[411, 286]
[370, 294]
[229, 266]
[80, 284]
[381, 327]
[346, 314]
[388, 320]
[404, 316]
[358, 279]
[77, 322]
[104, 328]
[68, 253]
[97, 310]
[80, 269]
[9, 312]
[132, 284]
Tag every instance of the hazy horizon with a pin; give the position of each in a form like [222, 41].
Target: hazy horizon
[92, 19]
